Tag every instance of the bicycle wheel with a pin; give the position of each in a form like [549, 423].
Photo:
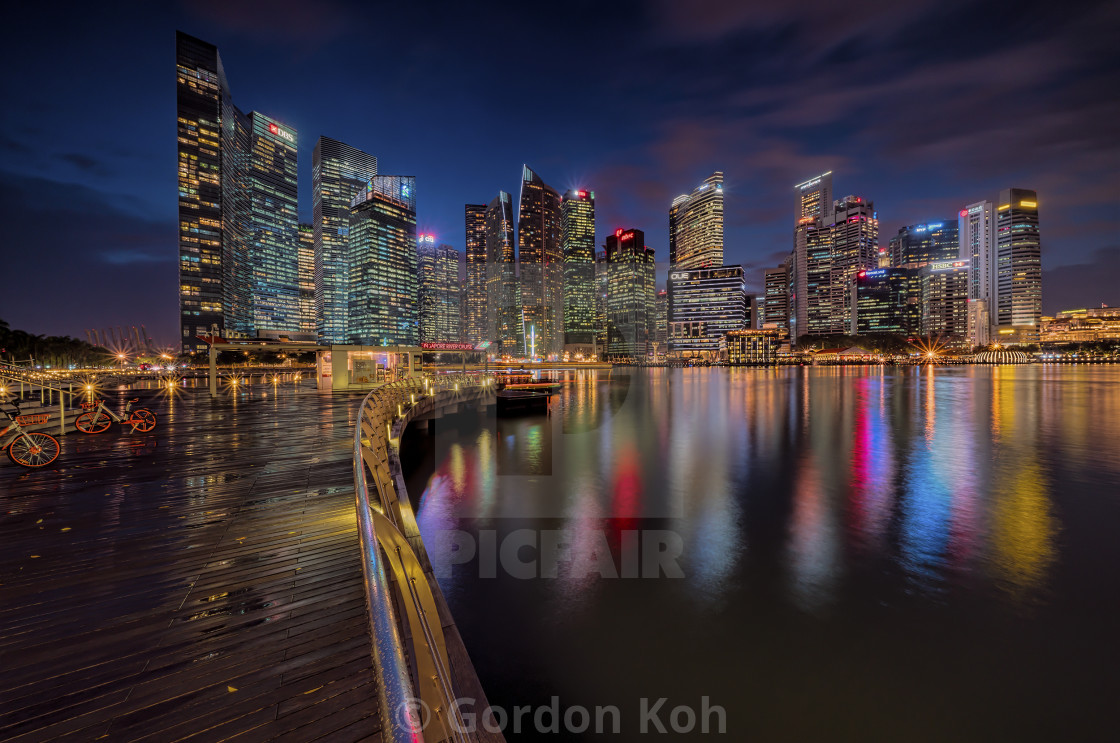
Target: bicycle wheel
[92, 422]
[34, 449]
[142, 420]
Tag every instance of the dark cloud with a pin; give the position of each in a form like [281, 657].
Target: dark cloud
[83, 162]
[1088, 284]
[74, 259]
[278, 20]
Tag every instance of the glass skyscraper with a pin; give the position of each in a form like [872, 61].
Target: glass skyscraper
[918, 244]
[505, 328]
[238, 233]
[381, 255]
[705, 304]
[945, 301]
[631, 295]
[307, 281]
[541, 264]
[1018, 271]
[474, 305]
[696, 226]
[577, 241]
[855, 247]
[888, 300]
[338, 173]
[976, 228]
[438, 290]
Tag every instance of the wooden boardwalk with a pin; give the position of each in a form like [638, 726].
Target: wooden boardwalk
[200, 583]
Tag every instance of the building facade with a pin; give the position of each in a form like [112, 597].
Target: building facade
[505, 328]
[631, 295]
[339, 172]
[437, 268]
[814, 198]
[696, 226]
[976, 228]
[887, 300]
[1018, 271]
[475, 325]
[775, 298]
[705, 304]
[307, 281]
[854, 241]
[753, 347]
[541, 264]
[945, 301]
[918, 244]
[577, 243]
[381, 255]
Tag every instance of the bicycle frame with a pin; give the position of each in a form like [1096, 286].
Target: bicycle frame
[19, 434]
[116, 418]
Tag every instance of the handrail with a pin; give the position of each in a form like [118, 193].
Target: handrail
[395, 694]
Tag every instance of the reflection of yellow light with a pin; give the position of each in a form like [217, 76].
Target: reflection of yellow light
[1028, 203]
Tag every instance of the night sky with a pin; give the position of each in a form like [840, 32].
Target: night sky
[921, 106]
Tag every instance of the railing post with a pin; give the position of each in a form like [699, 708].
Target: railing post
[61, 414]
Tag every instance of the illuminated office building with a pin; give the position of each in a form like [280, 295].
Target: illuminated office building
[814, 198]
[338, 173]
[661, 321]
[307, 281]
[577, 243]
[1018, 271]
[601, 283]
[888, 300]
[238, 225]
[854, 239]
[381, 256]
[541, 265]
[810, 273]
[631, 295]
[696, 226]
[976, 226]
[474, 307]
[918, 244]
[944, 301]
[437, 290]
[775, 299]
[705, 304]
[505, 328]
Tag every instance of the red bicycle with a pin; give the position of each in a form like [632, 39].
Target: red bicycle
[98, 418]
[29, 448]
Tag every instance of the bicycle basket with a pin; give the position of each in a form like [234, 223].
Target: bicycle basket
[31, 420]
[88, 405]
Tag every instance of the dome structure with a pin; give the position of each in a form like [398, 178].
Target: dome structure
[1002, 356]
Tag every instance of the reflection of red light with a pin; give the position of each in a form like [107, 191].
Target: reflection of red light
[964, 212]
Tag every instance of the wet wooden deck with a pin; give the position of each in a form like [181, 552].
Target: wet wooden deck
[201, 582]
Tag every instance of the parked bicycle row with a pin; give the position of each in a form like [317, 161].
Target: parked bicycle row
[38, 449]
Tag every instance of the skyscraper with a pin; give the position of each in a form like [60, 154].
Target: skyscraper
[338, 173]
[505, 328]
[381, 255]
[474, 307]
[814, 198]
[541, 264]
[274, 230]
[888, 300]
[944, 301]
[855, 248]
[696, 226]
[201, 94]
[775, 303]
[307, 281]
[631, 295]
[1018, 271]
[705, 304]
[577, 242]
[238, 228]
[918, 244]
[438, 290]
[977, 232]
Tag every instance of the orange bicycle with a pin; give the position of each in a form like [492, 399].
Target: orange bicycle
[29, 448]
[98, 418]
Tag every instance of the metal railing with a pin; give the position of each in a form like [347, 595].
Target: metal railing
[380, 527]
[51, 390]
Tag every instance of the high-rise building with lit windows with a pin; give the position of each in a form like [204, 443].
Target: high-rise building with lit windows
[775, 298]
[814, 198]
[238, 223]
[631, 295]
[976, 227]
[438, 290]
[705, 304]
[474, 304]
[1018, 269]
[338, 173]
[888, 300]
[918, 244]
[810, 262]
[505, 326]
[696, 226]
[944, 301]
[577, 242]
[381, 256]
[274, 229]
[541, 264]
[854, 238]
[307, 281]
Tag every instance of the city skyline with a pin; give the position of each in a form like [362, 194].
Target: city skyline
[121, 194]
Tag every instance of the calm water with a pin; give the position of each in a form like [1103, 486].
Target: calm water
[874, 554]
